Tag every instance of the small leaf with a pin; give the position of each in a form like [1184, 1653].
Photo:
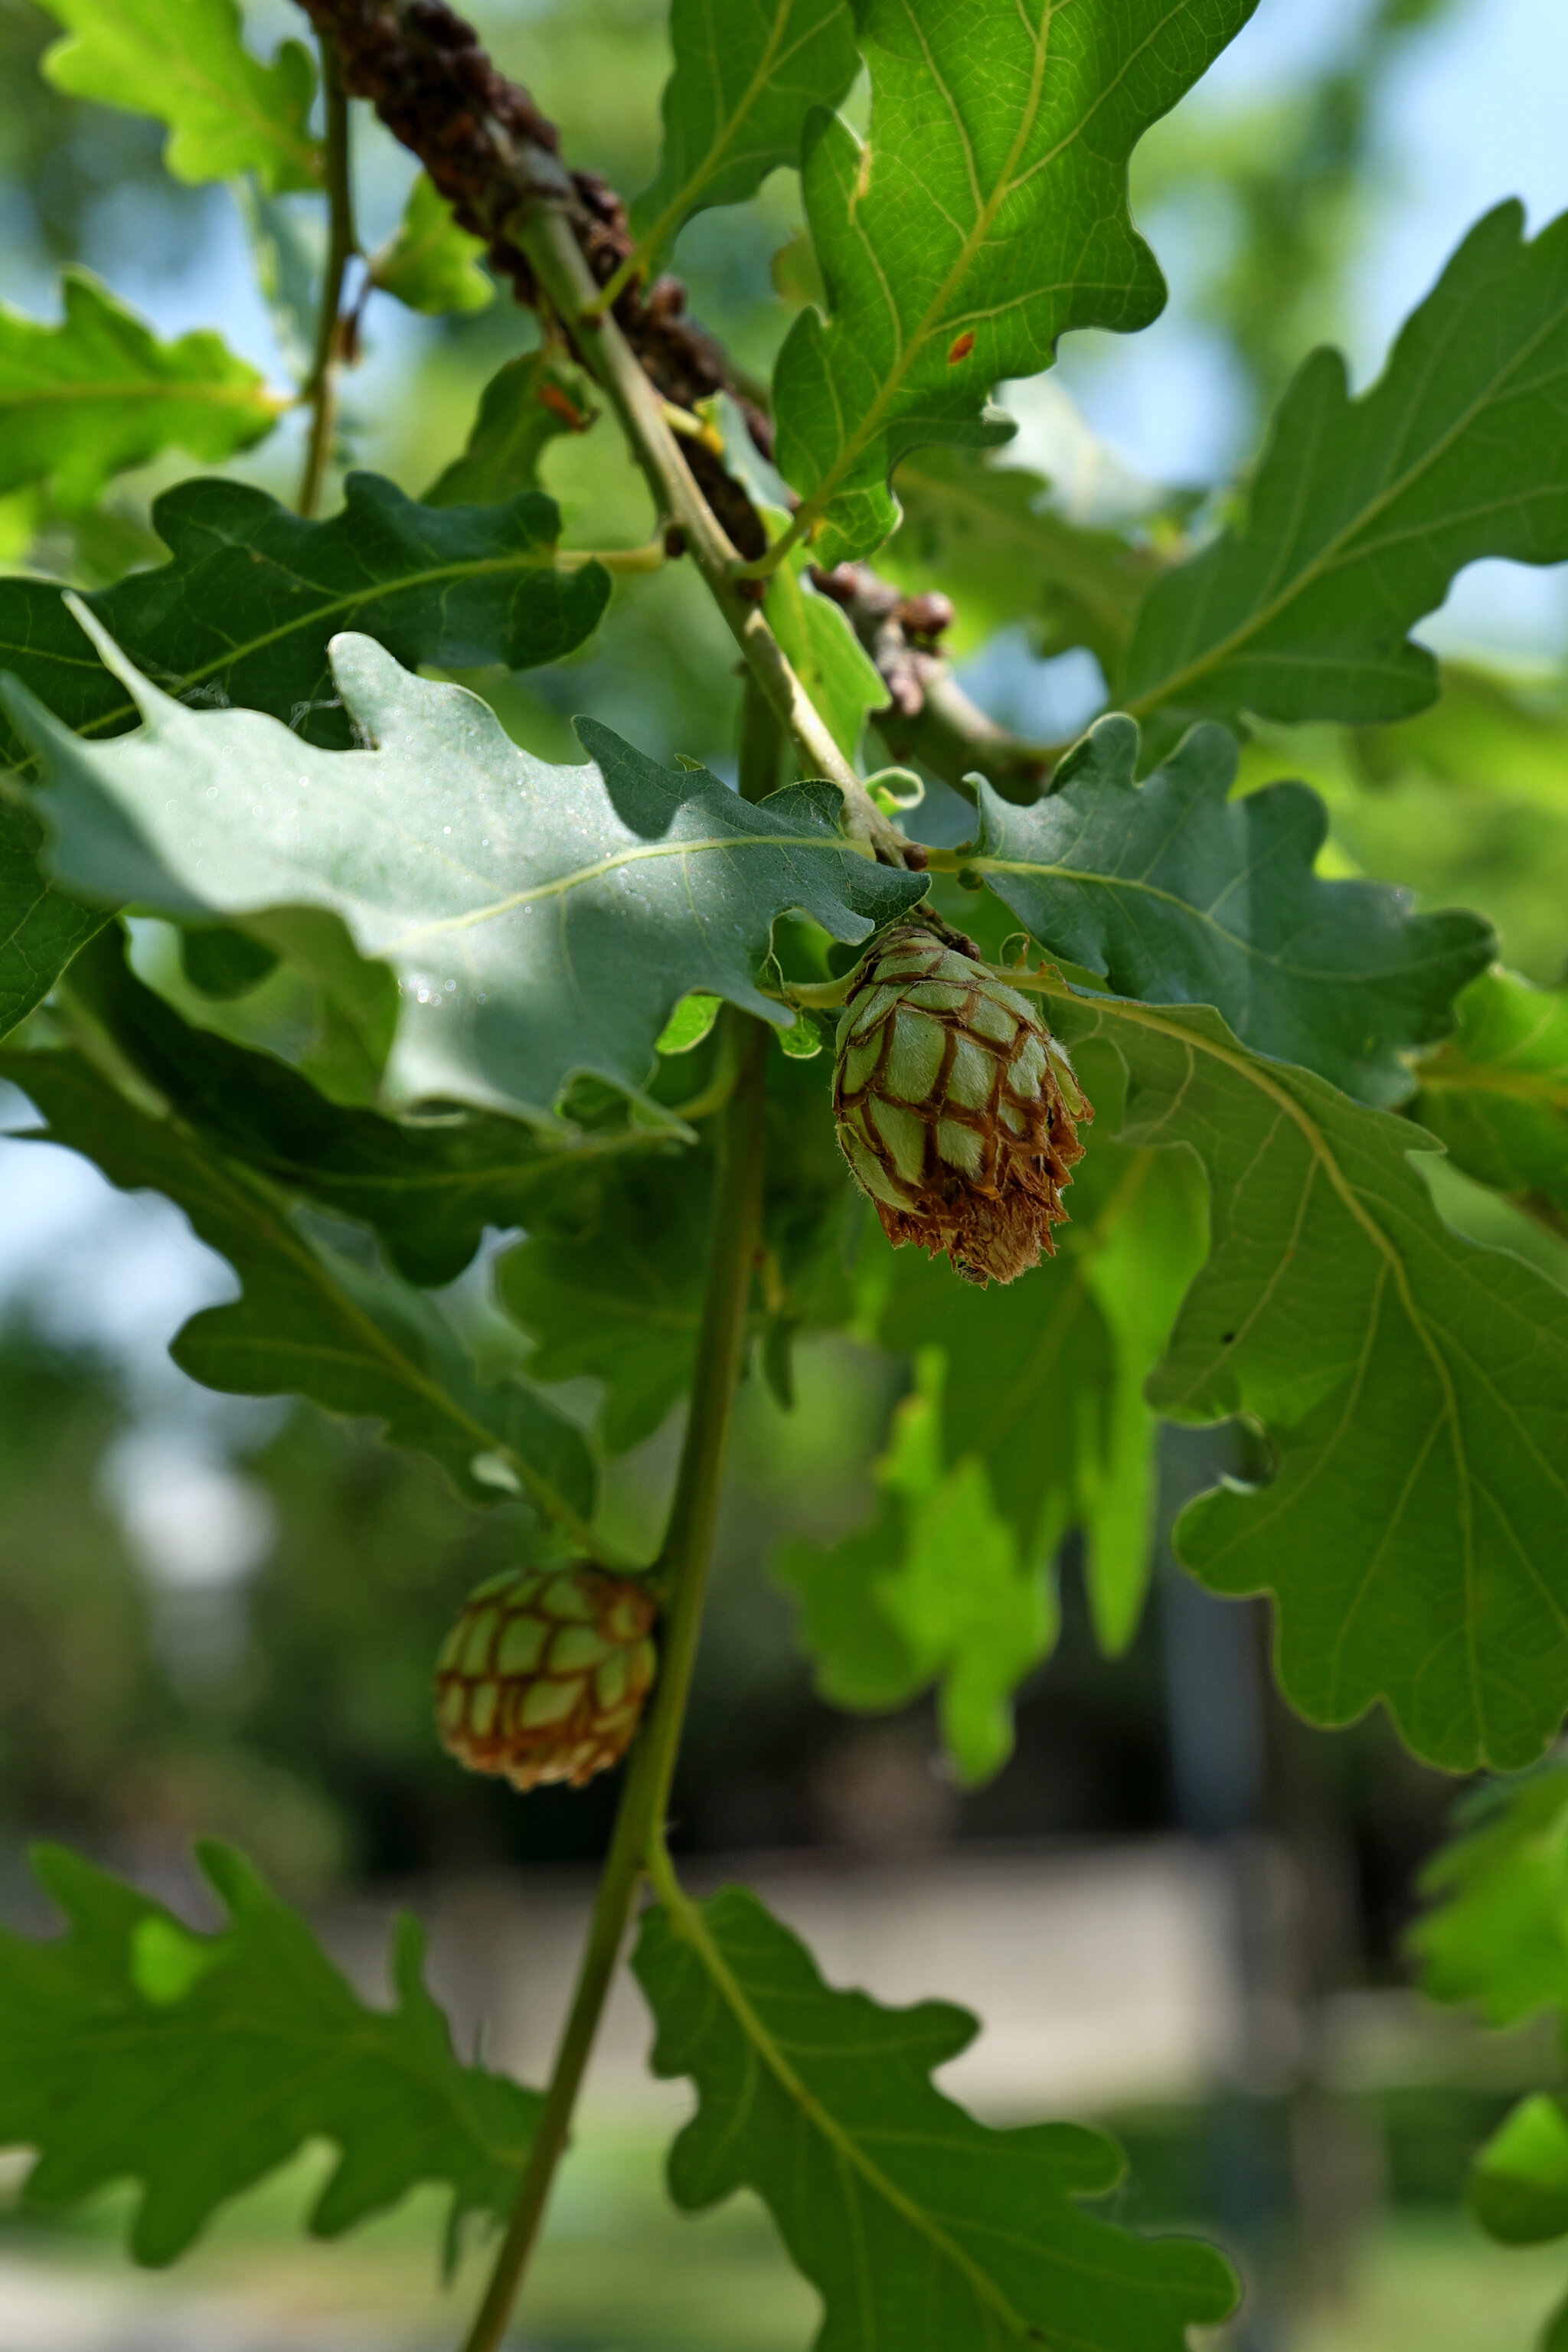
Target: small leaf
[1519, 2182]
[542, 921]
[527, 404]
[244, 610]
[98, 392]
[826, 655]
[40, 928]
[917, 2226]
[1414, 1389]
[985, 213]
[1497, 1093]
[186, 61]
[747, 74]
[1363, 510]
[310, 1323]
[194, 2065]
[430, 264]
[1498, 1932]
[1178, 894]
[690, 1021]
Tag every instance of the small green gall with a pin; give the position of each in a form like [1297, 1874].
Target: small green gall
[957, 1110]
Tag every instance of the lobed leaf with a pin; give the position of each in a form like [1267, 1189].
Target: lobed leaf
[1178, 894]
[1413, 1387]
[40, 928]
[192, 2064]
[747, 75]
[1497, 1093]
[542, 921]
[984, 215]
[186, 61]
[98, 392]
[917, 2225]
[244, 610]
[1363, 510]
[430, 264]
[310, 1322]
[527, 404]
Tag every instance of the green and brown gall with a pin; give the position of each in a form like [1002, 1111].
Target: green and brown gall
[957, 1110]
[543, 1677]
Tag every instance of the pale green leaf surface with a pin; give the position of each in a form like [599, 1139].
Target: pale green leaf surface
[985, 213]
[919, 2226]
[245, 608]
[133, 2048]
[308, 1322]
[1178, 894]
[85, 399]
[1496, 1934]
[430, 264]
[1414, 1389]
[747, 74]
[542, 921]
[827, 657]
[40, 928]
[527, 404]
[186, 61]
[1363, 510]
[1518, 2188]
[1497, 1093]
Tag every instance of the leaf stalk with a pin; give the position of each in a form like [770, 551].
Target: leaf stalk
[320, 392]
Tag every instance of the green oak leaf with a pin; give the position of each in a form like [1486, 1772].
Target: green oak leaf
[186, 61]
[827, 657]
[918, 2225]
[1496, 1934]
[542, 922]
[1518, 2188]
[747, 74]
[527, 404]
[98, 392]
[194, 2065]
[244, 609]
[1363, 510]
[1177, 893]
[984, 215]
[40, 928]
[429, 263]
[427, 1189]
[1497, 1092]
[1414, 1389]
[312, 1322]
[986, 534]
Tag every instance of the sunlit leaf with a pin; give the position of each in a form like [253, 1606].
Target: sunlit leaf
[84, 400]
[747, 74]
[245, 608]
[1497, 1093]
[1497, 1933]
[311, 1322]
[542, 921]
[430, 264]
[917, 2225]
[1363, 510]
[1179, 894]
[135, 2049]
[984, 215]
[186, 61]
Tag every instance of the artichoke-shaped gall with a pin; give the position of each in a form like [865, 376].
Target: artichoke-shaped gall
[543, 1676]
[957, 1109]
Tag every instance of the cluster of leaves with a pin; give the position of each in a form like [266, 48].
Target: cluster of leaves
[509, 969]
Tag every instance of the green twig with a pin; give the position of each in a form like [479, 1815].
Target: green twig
[682, 1569]
[320, 393]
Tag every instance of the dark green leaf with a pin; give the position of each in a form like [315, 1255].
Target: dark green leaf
[40, 928]
[919, 2226]
[430, 264]
[186, 61]
[527, 404]
[747, 74]
[429, 1190]
[1363, 510]
[98, 392]
[1497, 1094]
[310, 1323]
[244, 609]
[1413, 1387]
[1178, 894]
[195, 2065]
[985, 215]
[224, 964]
[542, 921]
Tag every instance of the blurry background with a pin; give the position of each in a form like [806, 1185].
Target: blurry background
[1179, 1909]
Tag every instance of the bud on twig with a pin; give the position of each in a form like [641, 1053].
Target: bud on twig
[957, 1109]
